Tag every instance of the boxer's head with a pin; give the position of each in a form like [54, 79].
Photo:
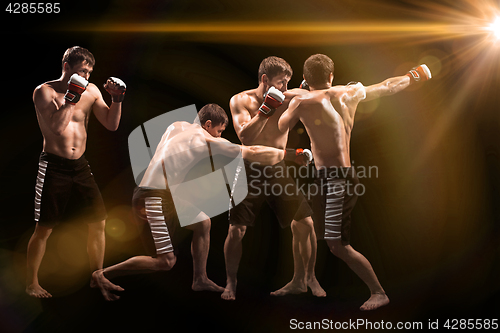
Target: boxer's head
[276, 72]
[213, 119]
[318, 70]
[78, 60]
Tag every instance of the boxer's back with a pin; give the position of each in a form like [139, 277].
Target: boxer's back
[182, 146]
[328, 116]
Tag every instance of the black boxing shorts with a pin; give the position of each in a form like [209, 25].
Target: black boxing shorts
[270, 183]
[334, 202]
[66, 189]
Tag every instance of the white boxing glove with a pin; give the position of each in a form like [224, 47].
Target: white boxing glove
[116, 88]
[76, 87]
[419, 73]
[272, 100]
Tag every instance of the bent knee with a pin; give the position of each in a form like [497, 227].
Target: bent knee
[202, 226]
[166, 262]
[42, 232]
[237, 232]
[337, 248]
[304, 226]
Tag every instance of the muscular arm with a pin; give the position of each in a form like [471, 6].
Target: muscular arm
[290, 117]
[108, 116]
[246, 127]
[56, 118]
[387, 87]
[261, 154]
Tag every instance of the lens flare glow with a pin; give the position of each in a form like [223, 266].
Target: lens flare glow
[495, 28]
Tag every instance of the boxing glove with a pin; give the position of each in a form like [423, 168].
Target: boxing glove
[304, 85]
[419, 73]
[299, 156]
[117, 93]
[272, 100]
[76, 87]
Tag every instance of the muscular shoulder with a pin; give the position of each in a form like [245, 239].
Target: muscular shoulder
[296, 92]
[45, 88]
[93, 90]
[180, 125]
[242, 100]
[44, 94]
[176, 128]
[351, 92]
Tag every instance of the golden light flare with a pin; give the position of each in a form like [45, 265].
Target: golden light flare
[290, 33]
[421, 22]
[495, 28]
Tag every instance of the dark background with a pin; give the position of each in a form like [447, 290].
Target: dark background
[429, 223]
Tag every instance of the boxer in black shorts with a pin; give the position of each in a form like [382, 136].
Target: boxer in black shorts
[335, 107]
[333, 203]
[255, 115]
[261, 182]
[63, 108]
[61, 182]
[179, 153]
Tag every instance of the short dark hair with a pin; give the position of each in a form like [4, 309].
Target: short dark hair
[76, 54]
[214, 113]
[272, 66]
[317, 69]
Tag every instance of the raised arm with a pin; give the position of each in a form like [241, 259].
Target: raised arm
[56, 118]
[246, 127]
[290, 117]
[387, 87]
[396, 84]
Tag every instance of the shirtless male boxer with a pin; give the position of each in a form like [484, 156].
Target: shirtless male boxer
[181, 151]
[335, 107]
[63, 109]
[255, 115]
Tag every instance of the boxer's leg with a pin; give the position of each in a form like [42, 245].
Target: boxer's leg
[362, 267]
[232, 254]
[200, 247]
[36, 251]
[301, 255]
[134, 265]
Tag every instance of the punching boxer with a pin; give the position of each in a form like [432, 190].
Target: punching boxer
[255, 115]
[63, 108]
[179, 154]
[330, 144]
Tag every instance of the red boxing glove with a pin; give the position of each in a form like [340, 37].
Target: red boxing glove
[419, 73]
[76, 87]
[299, 156]
[272, 100]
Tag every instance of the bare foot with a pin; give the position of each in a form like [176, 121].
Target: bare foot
[105, 286]
[293, 287]
[374, 302]
[315, 287]
[229, 293]
[206, 284]
[34, 290]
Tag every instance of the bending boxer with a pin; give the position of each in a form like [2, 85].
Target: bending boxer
[255, 115]
[63, 108]
[330, 143]
[180, 154]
